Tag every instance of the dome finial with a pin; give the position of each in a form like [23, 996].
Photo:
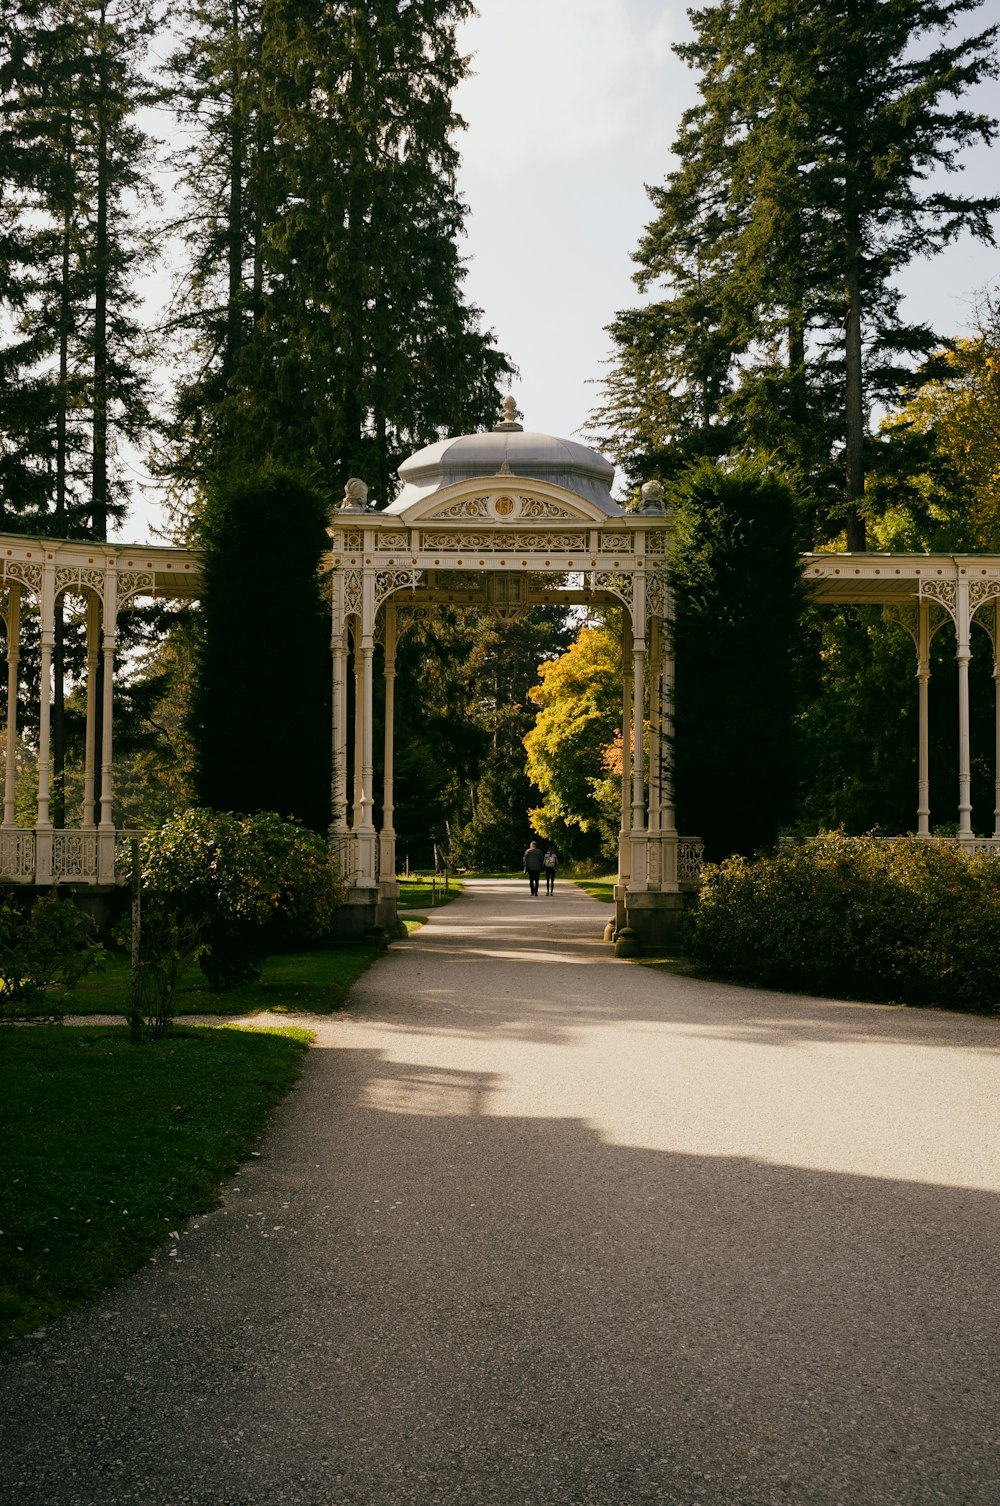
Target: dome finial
[508, 423]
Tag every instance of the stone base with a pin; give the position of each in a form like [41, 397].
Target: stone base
[655, 917]
[388, 910]
[356, 916]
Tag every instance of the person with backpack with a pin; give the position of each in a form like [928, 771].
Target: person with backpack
[549, 865]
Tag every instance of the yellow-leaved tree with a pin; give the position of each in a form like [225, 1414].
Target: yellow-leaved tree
[946, 494]
[579, 700]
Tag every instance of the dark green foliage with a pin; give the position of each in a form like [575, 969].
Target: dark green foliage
[44, 941]
[72, 159]
[860, 732]
[806, 181]
[741, 678]
[260, 709]
[326, 288]
[909, 922]
[252, 884]
[108, 1150]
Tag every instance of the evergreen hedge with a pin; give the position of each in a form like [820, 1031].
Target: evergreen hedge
[904, 921]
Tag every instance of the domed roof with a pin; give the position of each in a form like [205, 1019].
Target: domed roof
[507, 451]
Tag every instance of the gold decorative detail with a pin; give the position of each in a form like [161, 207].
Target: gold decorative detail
[504, 506]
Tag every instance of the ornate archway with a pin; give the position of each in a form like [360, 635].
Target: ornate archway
[506, 521]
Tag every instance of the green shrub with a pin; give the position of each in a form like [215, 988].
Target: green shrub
[254, 882]
[912, 922]
[48, 942]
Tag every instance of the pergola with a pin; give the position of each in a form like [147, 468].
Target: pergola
[502, 521]
[925, 593]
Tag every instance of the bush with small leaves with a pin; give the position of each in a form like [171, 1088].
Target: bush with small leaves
[254, 882]
[907, 921]
[45, 943]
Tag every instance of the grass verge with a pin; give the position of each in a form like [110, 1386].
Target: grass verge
[108, 1147]
[315, 982]
[600, 888]
[421, 891]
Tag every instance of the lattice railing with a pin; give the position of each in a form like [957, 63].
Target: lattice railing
[74, 855]
[690, 859]
[17, 855]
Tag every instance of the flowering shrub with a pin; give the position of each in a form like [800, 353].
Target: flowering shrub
[912, 922]
[254, 883]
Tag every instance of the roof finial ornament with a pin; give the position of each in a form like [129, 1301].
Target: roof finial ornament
[652, 497]
[508, 423]
[355, 496]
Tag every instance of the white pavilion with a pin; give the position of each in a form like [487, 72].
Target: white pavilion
[505, 521]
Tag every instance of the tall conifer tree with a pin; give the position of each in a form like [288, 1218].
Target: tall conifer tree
[818, 132]
[335, 334]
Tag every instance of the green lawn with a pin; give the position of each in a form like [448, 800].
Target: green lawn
[421, 891]
[109, 1147]
[600, 888]
[315, 982]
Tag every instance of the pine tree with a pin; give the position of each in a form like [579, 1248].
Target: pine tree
[818, 129]
[340, 341]
[72, 367]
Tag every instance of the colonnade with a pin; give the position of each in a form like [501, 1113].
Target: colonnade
[965, 606]
[35, 576]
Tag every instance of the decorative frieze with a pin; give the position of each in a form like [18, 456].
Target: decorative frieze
[469, 507]
[535, 543]
[386, 542]
[615, 543]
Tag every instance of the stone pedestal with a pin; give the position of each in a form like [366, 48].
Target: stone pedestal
[655, 917]
[357, 915]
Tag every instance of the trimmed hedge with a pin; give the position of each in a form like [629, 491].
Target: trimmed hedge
[905, 921]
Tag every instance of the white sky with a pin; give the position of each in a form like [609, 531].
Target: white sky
[571, 108]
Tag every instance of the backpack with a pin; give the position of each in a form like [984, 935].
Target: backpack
[549, 860]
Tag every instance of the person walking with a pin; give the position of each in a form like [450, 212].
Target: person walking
[532, 862]
[549, 865]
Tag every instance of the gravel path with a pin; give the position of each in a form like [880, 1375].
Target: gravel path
[543, 1228]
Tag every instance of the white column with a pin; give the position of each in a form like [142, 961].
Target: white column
[43, 819]
[109, 637]
[624, 851]
[923, 759]
[964, 654]
[668, 816]
[13, 659]
[638, 874]
[366, 838]
[655, 722]
[47, 627]
[338, 771]
[367, 735]
[93, 655]
[387, 856]
[358, 724]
